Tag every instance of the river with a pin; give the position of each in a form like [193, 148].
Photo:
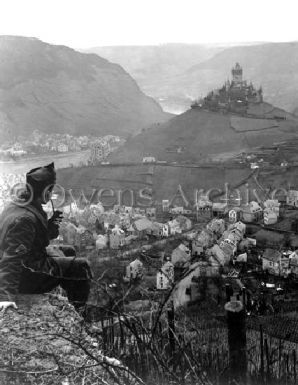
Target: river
[61, 161]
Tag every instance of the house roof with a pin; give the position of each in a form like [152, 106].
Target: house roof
[143, 224]
[182, 219]
[252, 207]
[117, 230]
[294, 261]
[272, 255]
[219, 206]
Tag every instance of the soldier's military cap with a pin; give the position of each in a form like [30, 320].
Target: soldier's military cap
[43, 176]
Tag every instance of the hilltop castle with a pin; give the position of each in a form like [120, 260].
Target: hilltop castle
[233, 96]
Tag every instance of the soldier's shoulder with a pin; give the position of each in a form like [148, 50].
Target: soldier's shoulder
[17, 213]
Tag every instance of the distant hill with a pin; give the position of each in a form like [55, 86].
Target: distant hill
[197, 134]
[56, 89]
[274, 66]
[155, 67]
[188, 72]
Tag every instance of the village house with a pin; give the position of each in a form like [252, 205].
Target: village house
[156, 229]
[181, 254]
[184, 222]
[101, 242]
[235, 232]
[217, 256]
[219, 210]
[197, 248]
[273, 205]
[116, 237]
[271, 211]
[174, 227]
[292, 198]
[216, 226]
[241, 258]
[149, 159]
[134, 270]
[127, 210]
[202, 202]
[140, 227]
[100, 149]
[275, 262]
[86, 240]
[293, 264]
[165, 205]
[235, 214]
[177, 210]
[129, 239]
[203, 240]
[204, 207]
[116, 209]
[165, 230]
[252, 212]
[165, 277]
[270, 217]
[187, 212]
[151, 212]
[229, 247]
[62, 147]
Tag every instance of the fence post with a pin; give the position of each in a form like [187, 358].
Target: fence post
[237, 340]
[267, 360]
[294, 366]
[262, 353]
[171, 327]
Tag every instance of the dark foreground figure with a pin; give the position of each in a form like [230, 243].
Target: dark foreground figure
[25, 232]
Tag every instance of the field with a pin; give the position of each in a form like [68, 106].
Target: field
[160, 181]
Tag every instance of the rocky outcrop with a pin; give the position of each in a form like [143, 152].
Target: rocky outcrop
[45, 341]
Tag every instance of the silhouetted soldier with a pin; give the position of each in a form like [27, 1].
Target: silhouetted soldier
[25, 232]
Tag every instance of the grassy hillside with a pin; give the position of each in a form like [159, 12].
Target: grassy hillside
[164, 182]
[200, 133]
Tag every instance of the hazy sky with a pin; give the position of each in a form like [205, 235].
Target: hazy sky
[87, 23]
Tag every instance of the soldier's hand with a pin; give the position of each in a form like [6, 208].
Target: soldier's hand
[4, 305]
[57, 216]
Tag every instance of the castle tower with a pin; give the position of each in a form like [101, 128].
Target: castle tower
[237, 74]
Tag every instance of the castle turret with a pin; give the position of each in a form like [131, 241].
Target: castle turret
[237, 74]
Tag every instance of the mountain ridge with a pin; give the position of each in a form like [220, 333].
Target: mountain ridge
[56, 89]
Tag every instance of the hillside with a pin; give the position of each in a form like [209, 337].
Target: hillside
[106, 183]
[196, 134]
[135, 181]
[183, 76]
[154, 67]
[56, 89]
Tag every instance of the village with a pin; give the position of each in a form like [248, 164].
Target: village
[252, 248]
[40, 143]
